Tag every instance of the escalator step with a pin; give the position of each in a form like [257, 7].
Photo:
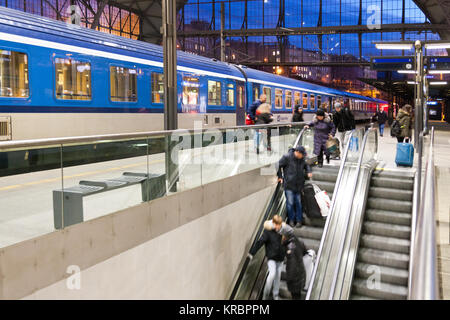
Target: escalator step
[320, 223]
[357, 297]
[383, 258]
[388, 217]
[393, 183]
[307, 232]
[311, 244]
[386, 274]
[379, 291]
[404, 175]
[387, 230]
[388, 193]
[385, 243]
[389, 205]
[325, 185]
[327, 175]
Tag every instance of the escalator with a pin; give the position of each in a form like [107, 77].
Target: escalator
[384, 246]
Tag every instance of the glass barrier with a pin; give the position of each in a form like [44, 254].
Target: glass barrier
[45, 187]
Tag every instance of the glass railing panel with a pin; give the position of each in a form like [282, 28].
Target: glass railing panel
[27, 178]
[307, 141]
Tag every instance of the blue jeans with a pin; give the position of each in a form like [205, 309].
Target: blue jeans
[293, 205]
[257, 138]
[273, 279]
[381, 126]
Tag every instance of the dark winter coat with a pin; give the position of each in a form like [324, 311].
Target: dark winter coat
[271, 239]
[297, 117]
[295, 269]
[264, 118]
[404, 118]
[322, 130]
[252, 109]
[344, 120]
[293, 170]
[381, 117]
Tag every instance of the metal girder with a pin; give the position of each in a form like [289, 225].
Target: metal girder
[309, 64]
[316, 30]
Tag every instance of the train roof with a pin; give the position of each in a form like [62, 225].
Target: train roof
[45, 30]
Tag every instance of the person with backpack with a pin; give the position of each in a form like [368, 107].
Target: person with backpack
[402, 129]
[291, 171]
[297, 114]
[275, 253]
[344, 121]
[295, 269]
[381, 117]
[324, 130]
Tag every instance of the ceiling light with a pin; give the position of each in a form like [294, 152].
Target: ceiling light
[406, 71]
[394, 46]
[437, 45]
[438, 83]
[438, 71]
[411, 82]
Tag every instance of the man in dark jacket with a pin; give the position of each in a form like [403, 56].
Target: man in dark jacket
[344, 121]
[381, 118]
[275, 253]
[297, 115]
[295, 269]
[291, 172]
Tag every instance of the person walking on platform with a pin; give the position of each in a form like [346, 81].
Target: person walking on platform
[295, 269]
[275, 253]
[344, 121]
[264, 116]
[252, 114]
[404, 118]
[324, 129]
[297, 114]
[381, 118]
[292, 168]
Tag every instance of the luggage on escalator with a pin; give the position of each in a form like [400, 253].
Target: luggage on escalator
[309, 203]
[309, 259]
[405, 154]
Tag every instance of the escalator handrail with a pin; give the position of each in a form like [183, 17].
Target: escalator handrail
[423, 273]
[327, 222]
[261, 228]
[348, 213]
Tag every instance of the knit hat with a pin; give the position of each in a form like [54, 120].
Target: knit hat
[320, 112]
[301, 149]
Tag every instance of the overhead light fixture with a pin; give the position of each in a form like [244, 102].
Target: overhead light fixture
[437, 45]
[438, 83]
[438, 71]
[407, 71]
[393, 46]
[411, 82]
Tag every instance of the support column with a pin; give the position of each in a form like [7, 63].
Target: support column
[222, 27]
[170, 84]
[418, 93]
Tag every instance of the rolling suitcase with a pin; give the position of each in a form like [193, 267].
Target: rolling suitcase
[310, 206]
[405, 154]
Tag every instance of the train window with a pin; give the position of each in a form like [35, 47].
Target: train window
[157, 87]
[214, 93]
[296, 98]
[73, 79]
[305, 100]
[312, 101]
[190, 91]
[13, 74]
[288, 99]
[123, 84]
[230, 95]
[240, 96]
[268, 92]
[319, 102]
[255, 92]
[278, 98]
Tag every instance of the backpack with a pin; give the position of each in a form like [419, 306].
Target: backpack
[396, 129]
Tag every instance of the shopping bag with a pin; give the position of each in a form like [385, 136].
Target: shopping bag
[332, 145]
[323, 201]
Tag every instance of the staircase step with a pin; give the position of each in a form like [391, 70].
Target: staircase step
[389, 205]
[376, 215]
[386, 274]
[383, 258]
[387, 230]
[357, 297]
[381, 291]
[388, 193]
[393, 183]
[385, 243]
[307, 232]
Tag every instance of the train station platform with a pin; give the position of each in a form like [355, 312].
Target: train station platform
[189, 241]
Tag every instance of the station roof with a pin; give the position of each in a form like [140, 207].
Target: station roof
[438, 12]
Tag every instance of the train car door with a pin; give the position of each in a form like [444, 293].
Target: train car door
[240, 103]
